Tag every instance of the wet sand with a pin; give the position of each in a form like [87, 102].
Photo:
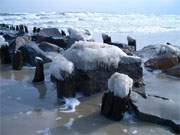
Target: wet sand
[30, 109]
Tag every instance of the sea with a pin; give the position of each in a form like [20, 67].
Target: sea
[145, 28]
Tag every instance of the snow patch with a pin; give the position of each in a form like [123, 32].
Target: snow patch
[60, 68]
[120, 84]
[70, 105]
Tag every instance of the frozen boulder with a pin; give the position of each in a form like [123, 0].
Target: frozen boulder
[79, 35]
[152, 51]
[115, 102]
[95, 62]
[30, 51]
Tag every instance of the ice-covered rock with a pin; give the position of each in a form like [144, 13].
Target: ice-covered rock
[92, 55]
[93, 64]
[120, 84]
[79, 35]
[30, 51]
[169, 50]
[152, 51]
[61, 67]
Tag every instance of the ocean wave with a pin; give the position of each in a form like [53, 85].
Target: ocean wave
[97, 22]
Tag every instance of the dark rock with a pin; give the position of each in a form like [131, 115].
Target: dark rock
[94, 81]
[114, 107]
[30, 51]
[174, 71]
[17, 61]
[50, 32]
[48, 47]
[61, 41]
[162, 62]
[157, 110]
[39, 73]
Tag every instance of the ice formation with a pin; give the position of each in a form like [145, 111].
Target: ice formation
[169, 49]
[61, 67]
[79, 35]
[92, 55]
[2, 39]
[3, 42]
[120, 84]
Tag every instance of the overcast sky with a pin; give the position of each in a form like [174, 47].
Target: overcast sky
[125, 6]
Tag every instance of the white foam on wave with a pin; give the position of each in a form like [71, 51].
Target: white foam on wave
[99, 22]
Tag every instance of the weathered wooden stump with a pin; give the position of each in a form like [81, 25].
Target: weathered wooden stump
[17, 60]
[39, 73]
[115, 102]
[106, 38]
[131, 42]
[4, 54]
[113, 107]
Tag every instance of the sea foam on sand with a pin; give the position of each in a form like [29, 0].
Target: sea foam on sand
[70, 105]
